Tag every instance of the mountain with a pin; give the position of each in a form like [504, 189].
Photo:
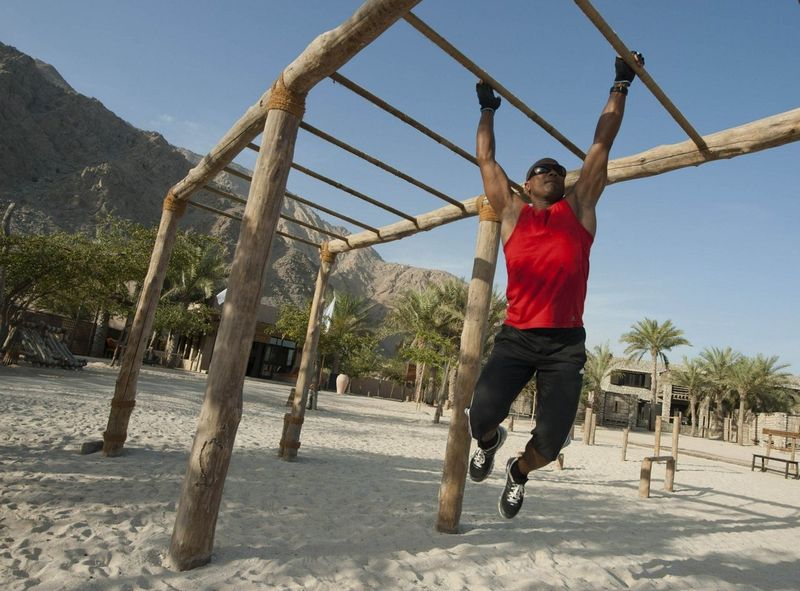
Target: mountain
[66, 161]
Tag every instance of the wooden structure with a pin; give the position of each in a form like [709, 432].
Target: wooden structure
[676, 434]
[789, 445]
[278, 115]
[646, 473]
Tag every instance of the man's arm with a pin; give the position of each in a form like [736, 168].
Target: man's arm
[594, 174]
[495, 180]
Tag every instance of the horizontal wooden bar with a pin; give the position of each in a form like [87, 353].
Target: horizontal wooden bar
[239, 218]
[758, 135]
[381, 104]
[342, 187]
[374, 161]
[622, 50]
[482, 74]
[341, 216]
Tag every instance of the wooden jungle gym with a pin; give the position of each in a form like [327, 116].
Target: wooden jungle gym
[278, 116]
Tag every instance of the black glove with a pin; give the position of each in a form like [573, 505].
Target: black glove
[625, 73]
[486, 97]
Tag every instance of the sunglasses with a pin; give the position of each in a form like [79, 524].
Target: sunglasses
[545, 168]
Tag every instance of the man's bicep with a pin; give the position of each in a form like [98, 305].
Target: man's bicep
[495, 186]
[593, 176]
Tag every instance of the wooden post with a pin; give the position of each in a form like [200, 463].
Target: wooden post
[676, 432]
[669, 479]
[293, 421]
[625, 433]
[657, 441]
[646, 473]
[592, 428]
[201, 493]
[587, 426]
[195, 522]
[124, 398]
[451, 491]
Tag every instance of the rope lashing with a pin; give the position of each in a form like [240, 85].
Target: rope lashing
[486, 212]
[325, 255]
[283, 99]
[172, 203]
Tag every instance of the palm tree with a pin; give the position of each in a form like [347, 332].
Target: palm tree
[648, 336]
[749, 377]
[598, 363]
[349, 322]
[693, 378]
[717, 365]
[416, 315]
[454, 295]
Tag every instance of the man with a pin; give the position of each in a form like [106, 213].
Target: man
[546, 246]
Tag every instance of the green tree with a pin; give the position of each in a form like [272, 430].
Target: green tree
[417, 316]
[649, 337]
[599, 362]
[692, 377]
[717, 366]
[751, 376]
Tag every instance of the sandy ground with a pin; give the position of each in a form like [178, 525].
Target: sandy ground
[357, 510]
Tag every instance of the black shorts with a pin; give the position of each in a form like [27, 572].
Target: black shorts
[556, 356]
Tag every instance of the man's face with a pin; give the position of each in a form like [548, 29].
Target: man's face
[546, 182]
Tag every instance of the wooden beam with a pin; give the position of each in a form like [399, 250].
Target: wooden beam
[341, 216]
[342, 187]
[381, 104]
[207, 467]
[625, 53]
[238, 218]
[454, 473]
[756, 136]
[358, 194]
[293, 421]
[375, 162]
[288, 218]
[292, 196]
[482, 74]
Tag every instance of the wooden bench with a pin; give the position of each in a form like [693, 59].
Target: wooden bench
[790, 446]
[644, 477]
[766, 458]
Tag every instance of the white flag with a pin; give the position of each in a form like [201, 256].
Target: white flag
[221, 296]
[327, 314]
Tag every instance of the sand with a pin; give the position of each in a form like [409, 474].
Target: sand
[357, 510]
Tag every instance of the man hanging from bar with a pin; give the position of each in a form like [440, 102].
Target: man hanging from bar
[546, 246]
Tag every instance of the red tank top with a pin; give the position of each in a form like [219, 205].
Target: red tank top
[547, 257]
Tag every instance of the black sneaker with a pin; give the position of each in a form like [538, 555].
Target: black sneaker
[482, 461]
[513, 494]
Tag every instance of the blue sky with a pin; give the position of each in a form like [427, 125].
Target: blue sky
[713, 248]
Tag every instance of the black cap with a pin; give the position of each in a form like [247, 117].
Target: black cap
[540, 162]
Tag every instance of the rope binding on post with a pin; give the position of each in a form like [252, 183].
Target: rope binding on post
[325, 255]
[486, 212]
[283, 99]
[172, 203]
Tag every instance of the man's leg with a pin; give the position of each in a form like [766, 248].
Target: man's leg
[501, 380]
[560, 361]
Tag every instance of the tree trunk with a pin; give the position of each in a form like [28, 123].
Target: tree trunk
[451, 384]
[740, 419]
[653, 392]
[454, 474]
[693, 410]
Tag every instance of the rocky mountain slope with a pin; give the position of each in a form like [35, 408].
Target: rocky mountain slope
[66, 160]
